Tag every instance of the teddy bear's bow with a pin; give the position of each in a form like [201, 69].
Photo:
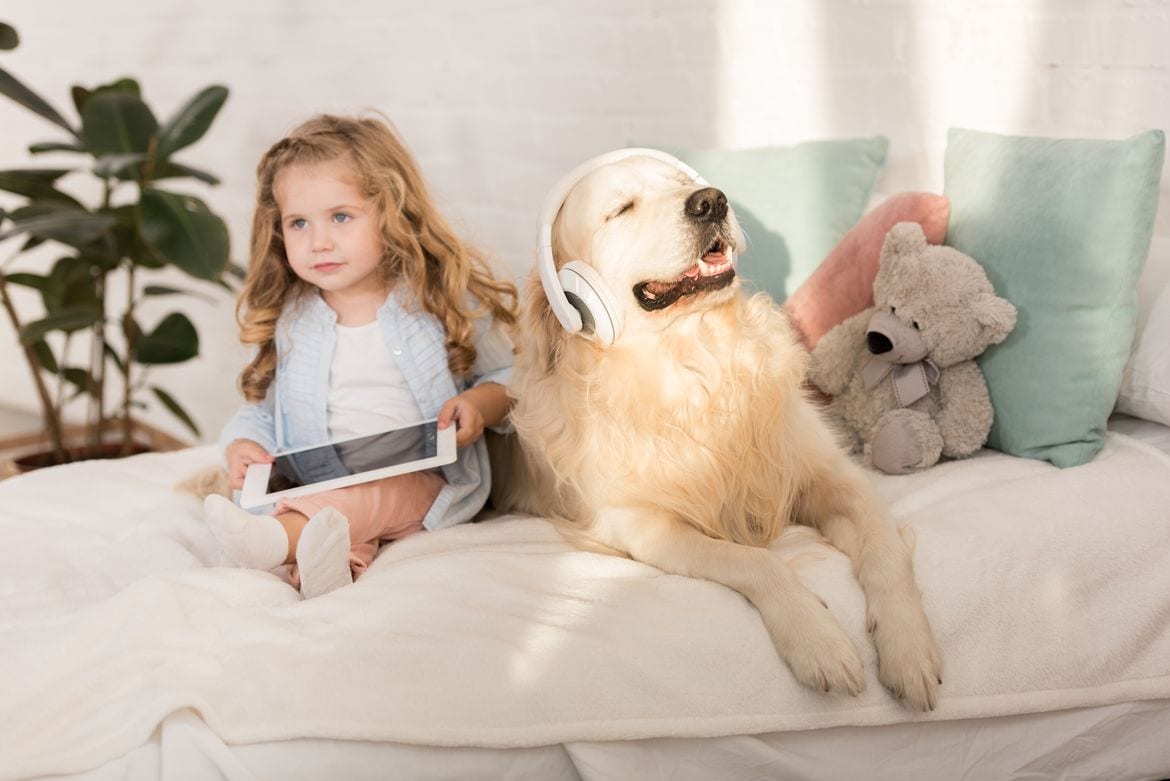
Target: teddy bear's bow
[911, 381]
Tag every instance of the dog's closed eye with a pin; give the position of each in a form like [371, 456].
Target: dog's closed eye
[625, 207]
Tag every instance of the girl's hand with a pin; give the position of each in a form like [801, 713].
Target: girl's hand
[240, 454]
[467, 416]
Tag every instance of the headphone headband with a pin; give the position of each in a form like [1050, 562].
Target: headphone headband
[565, 312]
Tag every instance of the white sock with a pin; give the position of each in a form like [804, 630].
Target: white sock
[323, 554]
[247, 540]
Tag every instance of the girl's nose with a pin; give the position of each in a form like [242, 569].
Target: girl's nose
[321, 239]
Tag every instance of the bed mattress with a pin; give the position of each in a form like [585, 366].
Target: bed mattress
[495, 645]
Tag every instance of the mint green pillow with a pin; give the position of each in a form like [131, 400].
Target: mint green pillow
[794, 203]
[1062, 227]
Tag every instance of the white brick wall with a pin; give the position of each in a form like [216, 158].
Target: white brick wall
[499, 98]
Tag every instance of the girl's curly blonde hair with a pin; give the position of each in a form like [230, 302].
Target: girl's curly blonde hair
[421, 250]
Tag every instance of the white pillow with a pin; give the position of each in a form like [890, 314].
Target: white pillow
[1145, 386]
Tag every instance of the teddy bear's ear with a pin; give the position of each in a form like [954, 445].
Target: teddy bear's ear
[997, 316]
[903, 238]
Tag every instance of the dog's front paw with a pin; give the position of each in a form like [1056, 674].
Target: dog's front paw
[909, 664]
[818, 651]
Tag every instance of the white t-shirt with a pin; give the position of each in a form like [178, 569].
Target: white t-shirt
[367, 392]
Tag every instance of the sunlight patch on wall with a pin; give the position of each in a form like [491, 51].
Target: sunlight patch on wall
[772, 67]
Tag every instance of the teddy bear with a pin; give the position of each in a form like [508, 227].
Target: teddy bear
[901, 374]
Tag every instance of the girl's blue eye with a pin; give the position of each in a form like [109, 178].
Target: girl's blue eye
[298, 223]
[341, 217]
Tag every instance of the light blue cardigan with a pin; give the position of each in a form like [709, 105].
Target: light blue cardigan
[293, 414]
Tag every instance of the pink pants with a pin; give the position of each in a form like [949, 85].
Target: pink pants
[381, 511]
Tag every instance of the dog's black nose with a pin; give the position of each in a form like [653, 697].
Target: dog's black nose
[878, 342]
[707, 205]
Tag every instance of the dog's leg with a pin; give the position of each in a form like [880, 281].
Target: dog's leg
[848, 512]
[803, 630]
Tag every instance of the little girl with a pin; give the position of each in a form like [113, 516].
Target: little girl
[367, 313]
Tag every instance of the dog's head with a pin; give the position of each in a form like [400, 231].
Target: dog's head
[661, 243]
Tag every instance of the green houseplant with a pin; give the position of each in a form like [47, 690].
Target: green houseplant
[90, 292]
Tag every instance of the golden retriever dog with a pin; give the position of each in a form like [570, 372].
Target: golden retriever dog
[688, 443]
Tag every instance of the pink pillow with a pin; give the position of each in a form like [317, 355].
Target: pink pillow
[842, 285]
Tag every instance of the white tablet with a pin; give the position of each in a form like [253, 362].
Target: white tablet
[349, 462]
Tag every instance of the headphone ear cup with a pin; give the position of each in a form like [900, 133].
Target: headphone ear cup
[588, 294]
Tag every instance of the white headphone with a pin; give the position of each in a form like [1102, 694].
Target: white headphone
[578, 297]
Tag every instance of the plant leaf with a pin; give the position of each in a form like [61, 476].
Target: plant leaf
[119, 166]
[191, 121]
[13, 88]
[125, 84]
[127, 242]
[35, 281]
[185, 232]
[62, 321]
[172, 170]
[37, 183]
[176, 410]
[55, 146]
[162, 290]
[79, 378]
[80, 95]
[117, 359]
[174, 340]
[79, 293]
[69, 286]
[45, 356]
[116, 123]
[8, 37]
[68, 226]
[40, 175]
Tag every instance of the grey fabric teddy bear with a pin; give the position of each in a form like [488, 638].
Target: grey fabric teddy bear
[901, 373]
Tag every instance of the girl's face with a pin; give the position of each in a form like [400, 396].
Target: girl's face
[330, 231]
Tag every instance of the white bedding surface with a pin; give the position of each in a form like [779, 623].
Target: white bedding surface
[1048, 590]
[1122, 742]
[1143, 430]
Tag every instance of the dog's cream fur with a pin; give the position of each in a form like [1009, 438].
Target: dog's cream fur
[689, 443]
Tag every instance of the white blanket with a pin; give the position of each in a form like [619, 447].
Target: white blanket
[1047, 589]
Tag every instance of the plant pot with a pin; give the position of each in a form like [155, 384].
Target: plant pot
[38, 460]
[32, 451]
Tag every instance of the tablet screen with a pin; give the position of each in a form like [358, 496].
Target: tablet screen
[342, 459]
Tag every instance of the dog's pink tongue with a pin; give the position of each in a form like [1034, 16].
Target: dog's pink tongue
[713, 263]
